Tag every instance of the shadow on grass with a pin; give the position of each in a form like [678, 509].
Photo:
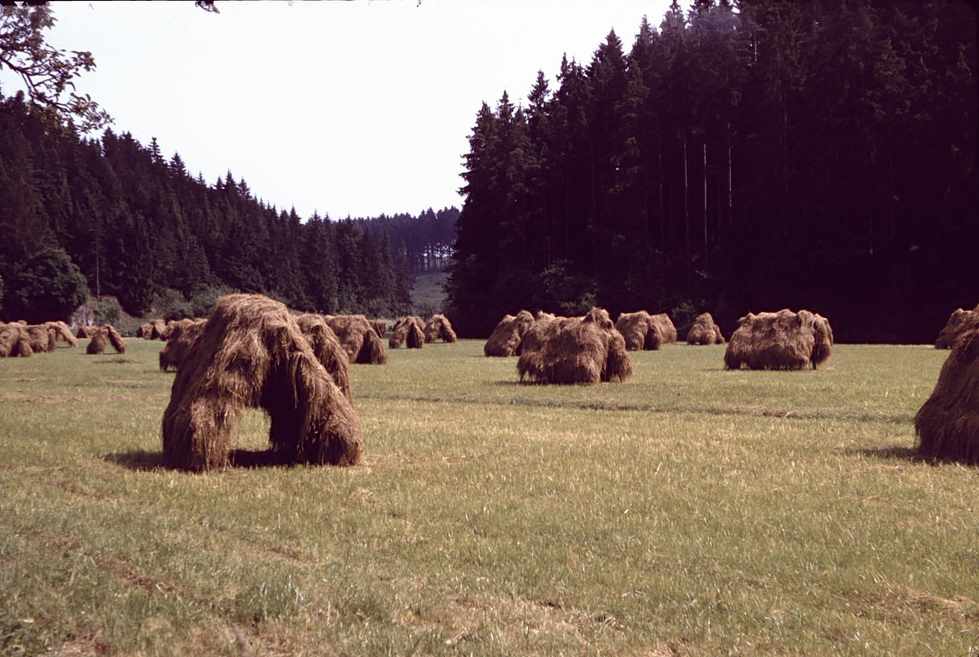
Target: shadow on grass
[143, 461]
[902, 453]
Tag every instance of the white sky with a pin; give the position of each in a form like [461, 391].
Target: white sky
[348, 108]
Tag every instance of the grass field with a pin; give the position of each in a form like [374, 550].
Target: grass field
[689, 511]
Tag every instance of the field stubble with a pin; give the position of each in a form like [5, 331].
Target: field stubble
[689, 511]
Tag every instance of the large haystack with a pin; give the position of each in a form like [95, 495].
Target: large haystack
[183, 335]
[505, 339]
[14, 341]
[569, 350]
[253, 355]
[704, 331]
[409, 331]
[327, 349]
[957, 321]
[640, 331]
[97, 344]
[42, 338]
[439, 328]
[779, 341]
[948, 423]
[358, 339]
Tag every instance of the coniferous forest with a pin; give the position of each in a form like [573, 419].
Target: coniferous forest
[740, 157]
[139, 227]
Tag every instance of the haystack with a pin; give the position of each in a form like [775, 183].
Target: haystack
[505, 339]
[63, 333]
[957, 321]
[97, 344]
[183, 335]
[779, 341]
[253, 355]
[409, 331]
[41, 337]
[574, 350]
[14, 341]
[327, 349]
[640, 330]
[358, 339]
[704, 331]
[86, 331]
[666, 328]
[947, 424]
[439, 328]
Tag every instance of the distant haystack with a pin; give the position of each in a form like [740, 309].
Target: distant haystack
[358, 339]
[154, 329]
[704, 331]
[409, 331]
[183, 335]
[666, 328]
[947, 424]
[327, 349]
[574, 350]
[439, 328]
[779, 341]
[42, 338]
[640, 331]
[253, 355]
[86, 331]
[14, 341]
[100, 335]
[957, 321]
[505, 339]
[63, 333]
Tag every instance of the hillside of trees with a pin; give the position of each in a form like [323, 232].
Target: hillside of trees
[139, 227]
[745, 157]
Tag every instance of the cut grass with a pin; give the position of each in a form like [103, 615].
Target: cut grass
[689, 511]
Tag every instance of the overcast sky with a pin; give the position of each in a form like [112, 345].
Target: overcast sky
[346, 108]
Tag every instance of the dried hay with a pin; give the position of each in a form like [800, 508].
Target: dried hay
[380, 327]
[640, 331]
[409, 331]
[439, 328]
[14, 341]
[505, 339]
[183, 335]
[97, 344]
[145, 331]
[704, 331]
[666, 328]
[570, 350]
[779, 341]
[63, 333]
[947, 425]
[41, 337]
[252, 354]
[86, 331]
[358, 339]
[957, 321]
[327, 349]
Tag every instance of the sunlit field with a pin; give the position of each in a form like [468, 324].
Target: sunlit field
[688, 511]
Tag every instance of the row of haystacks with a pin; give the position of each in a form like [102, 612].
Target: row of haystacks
[784, 340]
[408, 331]
[23, 339]
[574, 350]
[251, 353]
[947, 425]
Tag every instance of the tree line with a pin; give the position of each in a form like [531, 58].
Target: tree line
[123, 220]
[742, 157]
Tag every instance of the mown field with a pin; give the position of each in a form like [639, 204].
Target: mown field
[689, 511]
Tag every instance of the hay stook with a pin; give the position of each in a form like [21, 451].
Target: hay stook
[505, 339]
[705, 331]
[252, 354]
[439, 328]
[408, 331]
[641, 331]
[14, 341]
[782, 340]
[358, 339]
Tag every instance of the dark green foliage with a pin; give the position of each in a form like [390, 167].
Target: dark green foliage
[48, 287]
[776, 154]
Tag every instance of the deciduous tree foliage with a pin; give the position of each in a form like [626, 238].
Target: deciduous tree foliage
[742, 157]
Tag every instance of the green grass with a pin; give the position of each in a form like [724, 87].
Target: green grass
[689, 511]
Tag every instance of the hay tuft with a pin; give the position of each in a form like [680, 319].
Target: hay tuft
[252, 354]
[779, 341]
[358, 339]
[704, 331]
[439, 328]
[947, 425]
[505, 339]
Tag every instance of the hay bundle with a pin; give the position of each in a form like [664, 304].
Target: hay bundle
[505, 339]
[439, 328]
[145, 331]
[41, 337]
[704, 331]
[947, 424]
[380, 327]
[409, 331]
[666, 328]
[14, 341]
[97, 344]
[957, 321]
[183, 335]
[569, 350]
[640, 330]
[358, 339]
[327, 349]
[253, 355]
[779, 341]
[86, 331]
[63, 333]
